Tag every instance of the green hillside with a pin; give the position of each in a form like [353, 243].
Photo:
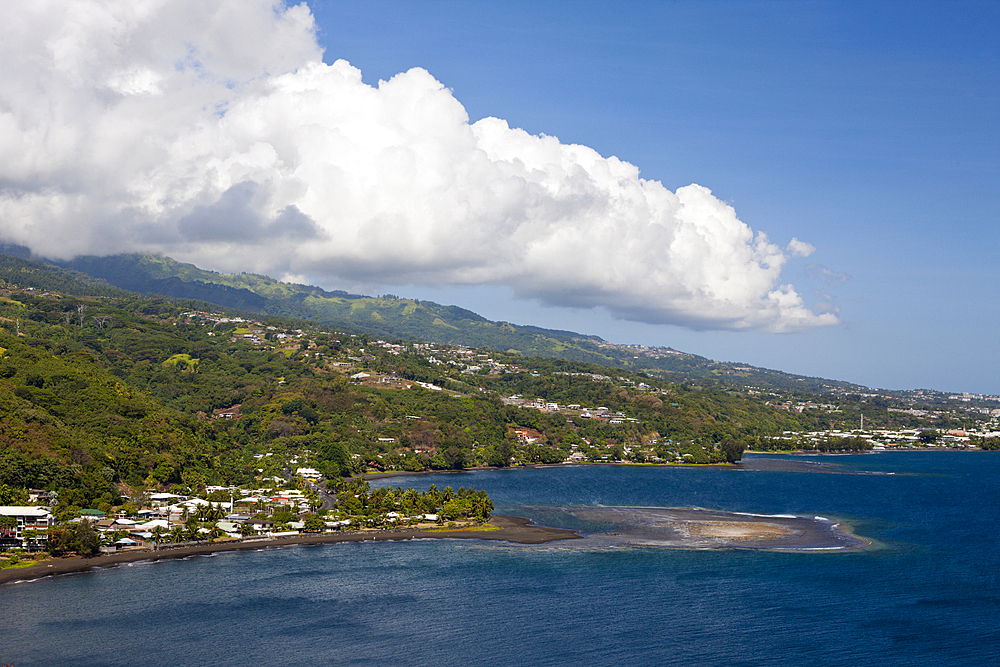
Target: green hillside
[390, 317]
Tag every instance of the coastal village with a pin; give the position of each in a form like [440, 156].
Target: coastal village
[293, 491]
[303, 504]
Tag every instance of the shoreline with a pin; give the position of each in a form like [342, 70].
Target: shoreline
[869, 451]
[664, 464]
[537, 466]
[501, 528]
[518, 530]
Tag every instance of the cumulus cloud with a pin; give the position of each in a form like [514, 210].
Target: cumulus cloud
[212, 130]
[800, 248]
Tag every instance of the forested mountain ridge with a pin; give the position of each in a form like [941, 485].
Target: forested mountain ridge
[387, 316]
[393, 317]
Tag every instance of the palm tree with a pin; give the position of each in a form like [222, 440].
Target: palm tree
[314, 501]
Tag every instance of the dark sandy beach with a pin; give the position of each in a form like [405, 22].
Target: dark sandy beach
[503, 528]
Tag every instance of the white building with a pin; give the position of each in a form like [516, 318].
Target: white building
[28, 518]
[164, 498]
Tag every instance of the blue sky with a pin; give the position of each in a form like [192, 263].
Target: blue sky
[806, 186]
[869, 130]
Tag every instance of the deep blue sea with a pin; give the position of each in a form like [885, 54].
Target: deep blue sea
[926, 593]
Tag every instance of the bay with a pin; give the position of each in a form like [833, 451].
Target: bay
[924, 593]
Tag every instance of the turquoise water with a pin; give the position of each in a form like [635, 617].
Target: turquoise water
[925, 594]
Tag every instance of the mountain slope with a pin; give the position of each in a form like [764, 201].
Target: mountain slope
[384, 316]
[392, 317]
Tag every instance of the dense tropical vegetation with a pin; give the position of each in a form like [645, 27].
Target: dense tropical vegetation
[107, 394]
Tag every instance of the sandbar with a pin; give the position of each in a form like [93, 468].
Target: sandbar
[695, 528]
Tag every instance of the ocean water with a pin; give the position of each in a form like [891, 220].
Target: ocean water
[925, 593]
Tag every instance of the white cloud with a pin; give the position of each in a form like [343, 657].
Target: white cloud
[799, 248]
[211, 130]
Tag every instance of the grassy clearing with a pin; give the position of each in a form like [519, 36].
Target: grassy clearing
[483, 527]
[184, 361]
[14, 563]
